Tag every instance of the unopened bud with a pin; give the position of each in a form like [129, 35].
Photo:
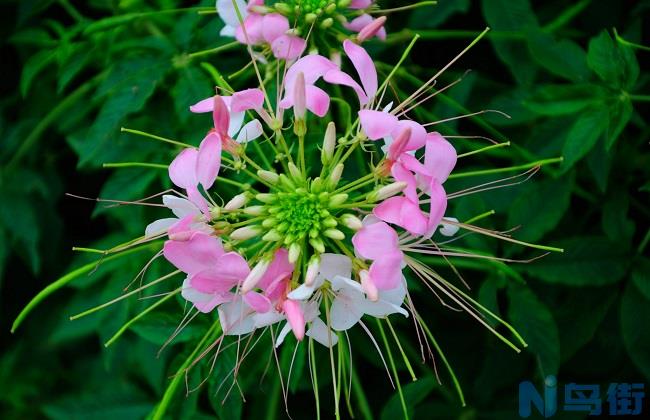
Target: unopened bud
[294, 171]
[294, 252]
[330, 8]
[338, 199]
[316, 184]
[371, 29]
[330, 222]
[255, 275]
[387, 191]
[262, 10]
[237, 202]
[268, 176]
[351, 222]
[269, 222]
[317, 244]
[283, 8]
[343, 4]
[334, 234]
[215, 212]
[272, 236]
[255, 210]
[329, 143]
[326, 23]
[266, 198]
[286, 182]
[299, 98]
[246, 232]
[312, 270]
[311, 17]
[335, 176]
[368, 286]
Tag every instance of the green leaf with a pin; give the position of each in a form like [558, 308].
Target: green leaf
[534, 321]
[158, 327]
[487, 296]
[414, 393]
[192, 86]
[635, 312]
[616, 225]
[20, 219]
[641, 276]
[614, 63]
[563, 58]
[431, 17]
[72, 67]
[620, 112]
[586, 261]
[599, 164]
[563, 99]
[127, 88]
[34, 65]
[540, 208]
[512, 15]
[583, 135]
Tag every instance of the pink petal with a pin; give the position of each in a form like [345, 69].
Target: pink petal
[273, 282]
[377, 124]
[439, 157]
[251, 31]
[295, 317]
[217, 299]
[438, 205]
[399, 144]
[274, 26]
[402, 212]
[372, 29]
[375, 240]
[199, 201]
[400, 173]
[220, 115]
[386, 273]
[198, 253]
[247, 99]
[260, 303]
[182, 230]
[312, 66]
[182, 170]
[338, 77]
[360, 4]
[288, 47]
[318, 101]
[358, 23]
[364, 66]
[418, 134]
[205, 105]
[208, 160]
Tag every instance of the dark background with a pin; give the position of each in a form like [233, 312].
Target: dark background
[584, 313]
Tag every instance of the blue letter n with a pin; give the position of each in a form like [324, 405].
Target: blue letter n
[529, 396]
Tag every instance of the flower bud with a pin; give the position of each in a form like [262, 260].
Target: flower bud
[326, 23]
[371, 29]
[215, 212]
[338, 199]
[294, 171]
[335, 176]
[255, 275]
[283, 8]
[268, 176]
[351, 222]
[334, 234]
[311, 17]
[387, 191]
[294, 252]
[246, 232]
[330, 8]
[329, 143]
[237, 202]
[286, 182]
[368, 286]
[343, 4]
[330, 222]
[272, 236]
[317, 244]
[312, 270]
[269, 222]
[255, 210]
[266, 198]
[262, 10]
[299, 97]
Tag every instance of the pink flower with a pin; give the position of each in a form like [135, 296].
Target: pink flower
[365, 68]
[211, 272]
[313, 67]
[369, 25]
[258, 29]
[188, 219]
[382, 124]
[378, 242]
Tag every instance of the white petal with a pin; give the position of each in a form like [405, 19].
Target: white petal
[395, 296]
[236, 318]
[283, 333]
[448, 229]
[180, 206]
[250, 131]
[236, 120]
[268, 318]
[388, 107]
[227, 31]
[332, 265]
[159, 226]
[319, 332]
[346, 311]
[192, 295]
[228, 13]
[345, 285]
[302, 292]
[381, 308]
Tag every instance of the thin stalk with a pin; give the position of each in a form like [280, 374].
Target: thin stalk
[312, 357]
[220, 48]
[399, 345]
[507, 169]
[479, 217]
[403, 8]
[135, 165]
[566, 16]
[484, 149]
[362, 400]
[394, 369]
[399, 62]
[155, 137]
[139, 316]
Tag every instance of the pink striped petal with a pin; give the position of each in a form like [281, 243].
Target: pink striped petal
[418, 134]
[402, 174]
[251, 32]
[377, 124]
[364, 65]
[402, 212]
[205, 105]
[360, 4]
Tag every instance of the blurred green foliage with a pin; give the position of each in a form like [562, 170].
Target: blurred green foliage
[573, 86]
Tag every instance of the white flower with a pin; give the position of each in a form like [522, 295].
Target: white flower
[228, 14]
[448, 229]
[181, 208]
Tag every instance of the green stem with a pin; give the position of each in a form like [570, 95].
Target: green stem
[362, 400]
[161, 408]
[399, 63]
[566, 16]
[484, 149]
[640, 98]
[623, 41]
[399, 345]
[312, 356]
[220, 48]
[135, 164]
[155, 137]
[71, 10]
[393, 369]
[508, 169]
[139, 316]
[112, 21]
[479, 217]
[62, 281]
[403, 8]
